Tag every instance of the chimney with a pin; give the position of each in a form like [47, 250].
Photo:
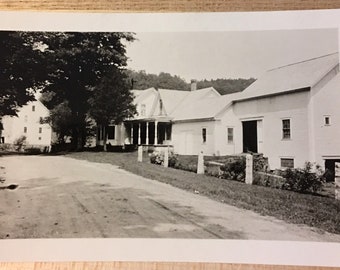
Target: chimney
[193, 86]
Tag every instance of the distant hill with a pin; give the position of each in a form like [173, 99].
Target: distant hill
[141, 80]
[226, 86]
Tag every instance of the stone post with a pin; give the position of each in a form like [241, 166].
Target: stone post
[249, 169]
[166, 157]
[337, 180]
[200, 163]
[140, 153]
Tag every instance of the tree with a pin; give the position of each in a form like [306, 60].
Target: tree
[60, 119]
[19, 71]
[142, 80]
[112, 101]
[74, 63]
[226, 86]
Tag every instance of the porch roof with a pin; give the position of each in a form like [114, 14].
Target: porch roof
[159, 119]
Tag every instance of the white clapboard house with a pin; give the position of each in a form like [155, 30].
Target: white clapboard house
[291, 114]
[28, 123]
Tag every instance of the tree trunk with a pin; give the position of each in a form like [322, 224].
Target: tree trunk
[104, 139]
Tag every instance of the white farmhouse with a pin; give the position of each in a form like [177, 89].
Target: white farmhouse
[28, 123]
[291, 115]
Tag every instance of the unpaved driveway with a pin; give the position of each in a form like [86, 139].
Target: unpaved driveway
[60, 197]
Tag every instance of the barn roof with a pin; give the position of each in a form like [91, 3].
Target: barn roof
[304, 74]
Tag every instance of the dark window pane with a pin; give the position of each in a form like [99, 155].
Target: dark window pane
[111, 132]
[287, 162]
[204, 135]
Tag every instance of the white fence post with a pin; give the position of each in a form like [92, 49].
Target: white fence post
[166, 157]
[200, 163]
[140, 153]
[249, 169]
[337, 180]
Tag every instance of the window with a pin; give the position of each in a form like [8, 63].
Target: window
[286, 129]
[143, 110]
[39, 138]
[230, 132]
[40, 130]
[111, 132]
[40, 120]
[26, 118]
[327, 120]
[25, 129]
[204, 135]
[287, 163]
[33, 108]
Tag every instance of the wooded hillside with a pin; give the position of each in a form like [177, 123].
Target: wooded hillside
[141, 80]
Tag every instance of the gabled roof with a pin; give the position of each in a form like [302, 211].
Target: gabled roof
[172, 99]
[181, 104]
[197, 104]
[291, 77]
[206, 108]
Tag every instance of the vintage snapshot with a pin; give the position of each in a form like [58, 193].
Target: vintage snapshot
[170, 137]
[198, 135]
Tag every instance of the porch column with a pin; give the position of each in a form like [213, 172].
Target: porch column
[131, 130]
[156, 137]
[147, 133]
[122, 134]
[139, 138]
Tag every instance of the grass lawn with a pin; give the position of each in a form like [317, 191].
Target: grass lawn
[316, 211]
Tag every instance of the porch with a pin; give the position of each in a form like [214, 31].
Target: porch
[148, 132]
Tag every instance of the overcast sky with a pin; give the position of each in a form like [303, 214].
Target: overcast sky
[211, 55]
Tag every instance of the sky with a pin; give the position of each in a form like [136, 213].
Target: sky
[212, 55]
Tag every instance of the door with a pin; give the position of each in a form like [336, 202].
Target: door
[186, 143]
[249, 136]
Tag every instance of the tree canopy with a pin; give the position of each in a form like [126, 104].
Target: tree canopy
[66, 67]
[111, 88]
[141, 80]
[20, 69]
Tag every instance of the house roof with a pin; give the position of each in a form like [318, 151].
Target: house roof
[198, 104]
[291, 77]
[182, 105]
[172, 99]
[206, 108]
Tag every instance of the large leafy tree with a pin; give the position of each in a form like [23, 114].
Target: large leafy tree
[112, 101]
[75, 63]
[20, 71]
[67, 64]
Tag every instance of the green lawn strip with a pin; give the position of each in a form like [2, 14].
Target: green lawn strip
[316, 211]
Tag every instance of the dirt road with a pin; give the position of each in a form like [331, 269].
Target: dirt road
[59, 197]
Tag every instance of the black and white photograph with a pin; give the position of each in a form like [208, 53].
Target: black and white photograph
[229, 135]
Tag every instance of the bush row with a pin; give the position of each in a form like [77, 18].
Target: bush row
[308, 179]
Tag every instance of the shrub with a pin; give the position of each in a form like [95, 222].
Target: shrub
[234, 169]
[33, 151]
[260, 163]
[157, 157]
[20, 143]
[305, 179]
[267, 179]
